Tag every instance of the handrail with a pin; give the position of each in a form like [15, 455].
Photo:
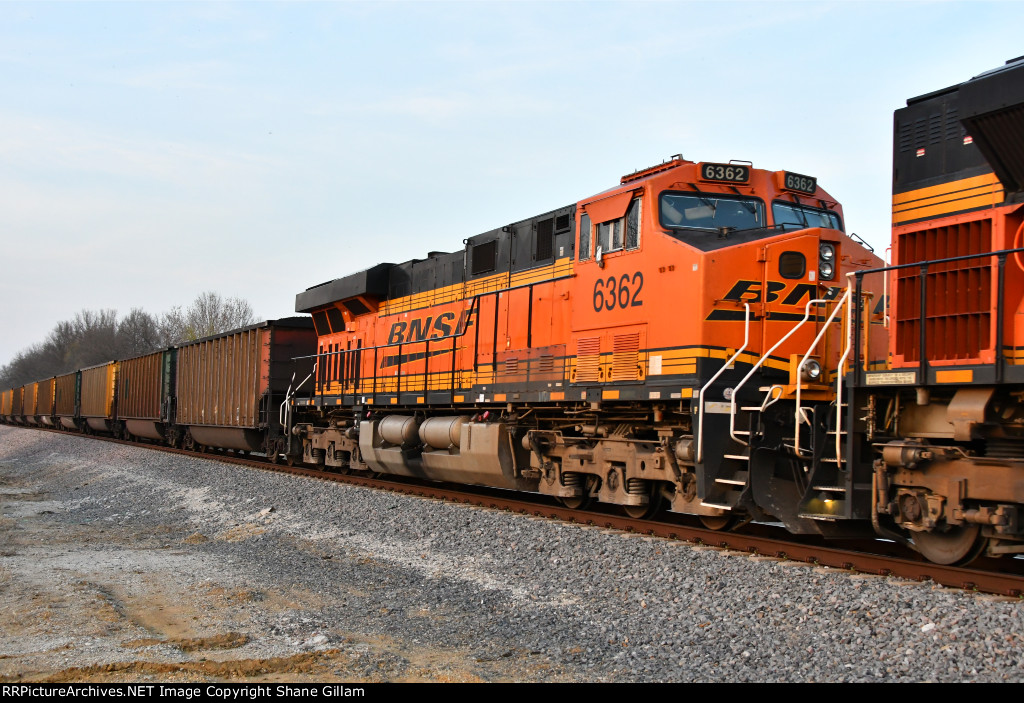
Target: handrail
[923, 269]
[897, 267]
[760, 362]
[700, 393]
[289, 394]
[284, 412]
[885, 289]
[799, 417]
[839, 371]
[474, 305]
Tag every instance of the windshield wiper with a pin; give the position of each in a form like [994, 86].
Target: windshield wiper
[703, 199]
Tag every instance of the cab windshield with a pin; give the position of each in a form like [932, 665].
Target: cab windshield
[792, 216]
[710, 212]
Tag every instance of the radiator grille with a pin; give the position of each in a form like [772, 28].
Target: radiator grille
[958, 305]
[588, 359]
[626, 357]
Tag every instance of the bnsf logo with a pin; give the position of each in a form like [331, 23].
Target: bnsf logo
[420, 329]
[781, 293]
[750, 292]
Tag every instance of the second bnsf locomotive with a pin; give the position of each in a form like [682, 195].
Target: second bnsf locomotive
[943, 421]
[669, 342]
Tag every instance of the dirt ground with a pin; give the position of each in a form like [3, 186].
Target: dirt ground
[94, 599]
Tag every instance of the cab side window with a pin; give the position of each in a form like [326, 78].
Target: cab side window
[584, 238]
[622, 233]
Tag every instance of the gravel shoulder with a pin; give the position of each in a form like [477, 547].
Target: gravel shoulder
[122, 564]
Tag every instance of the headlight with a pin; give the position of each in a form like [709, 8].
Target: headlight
[826, 270]
[811, 370]
[827, 252]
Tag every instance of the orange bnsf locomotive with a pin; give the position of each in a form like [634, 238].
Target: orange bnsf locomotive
[944, 420]
[669, 342]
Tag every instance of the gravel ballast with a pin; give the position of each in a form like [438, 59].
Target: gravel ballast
[116, 558]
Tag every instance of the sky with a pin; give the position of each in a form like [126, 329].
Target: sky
[150, 151]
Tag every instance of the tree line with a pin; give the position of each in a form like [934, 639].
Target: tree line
[95, 336]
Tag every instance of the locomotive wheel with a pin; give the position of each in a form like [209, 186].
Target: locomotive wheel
[579, 502]
[719, 523]
[640, 512]
[957, 546]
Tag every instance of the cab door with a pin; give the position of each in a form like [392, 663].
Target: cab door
[608, 326]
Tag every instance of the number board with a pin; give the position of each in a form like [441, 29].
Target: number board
[725, 173]
[799, 183]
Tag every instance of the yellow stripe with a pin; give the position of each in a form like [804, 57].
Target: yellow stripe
[946, 188]
[465, 291]
[946, 198]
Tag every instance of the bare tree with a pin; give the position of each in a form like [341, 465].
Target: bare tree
[172, 326]
[209, 314]
[95, 336]
[138, 333]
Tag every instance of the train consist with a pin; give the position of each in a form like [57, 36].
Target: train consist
[703, 338]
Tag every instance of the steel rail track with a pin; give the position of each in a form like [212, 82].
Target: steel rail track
[1001, 577]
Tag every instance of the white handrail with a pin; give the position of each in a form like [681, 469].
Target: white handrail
[700, 393]
[799, 417]
[282, 413]
[839, 369]
[753, 370]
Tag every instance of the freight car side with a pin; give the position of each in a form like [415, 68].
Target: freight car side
[145, 391]
[29, 403]
[44, 402]
[97, 407]
[67, 391]
[229, 387]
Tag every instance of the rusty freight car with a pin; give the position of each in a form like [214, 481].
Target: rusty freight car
[67, 391]
[230, 387]
[18, 405]
[97, 408]
[145, 390]
[29, 406]
[44, 402]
